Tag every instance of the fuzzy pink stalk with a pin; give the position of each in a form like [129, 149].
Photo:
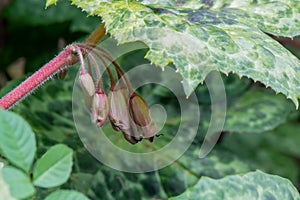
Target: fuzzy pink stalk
[65, 58]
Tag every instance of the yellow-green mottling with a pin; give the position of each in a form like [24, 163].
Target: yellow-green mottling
[253, 185]
[257, 111]
[201, 36]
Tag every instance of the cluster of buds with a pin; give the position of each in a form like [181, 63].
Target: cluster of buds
[127, 111]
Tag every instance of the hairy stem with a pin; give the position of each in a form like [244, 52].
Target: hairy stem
[65, 58]
[39, 77]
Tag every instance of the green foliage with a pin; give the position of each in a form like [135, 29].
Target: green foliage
[230, 37]
[66, 195]
[4, 187]
[254, 185]
[189, 168]
[272, 149]
[18, 145]
[47, 160]
[19, 183]
[17, 141]
[18, 10]
[257, 111]
[54, 168]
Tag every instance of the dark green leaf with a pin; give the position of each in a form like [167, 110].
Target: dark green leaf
[264, 153]
[186, 171]
[18, 10]
[285, 138]
[257, 111]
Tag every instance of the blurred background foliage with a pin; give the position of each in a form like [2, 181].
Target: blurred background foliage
[262, 130]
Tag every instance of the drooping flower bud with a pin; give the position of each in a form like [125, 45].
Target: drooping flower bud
[100, 108]
[130, 138]
[141, 116]
[134, 134]
[119, 113]
[62, 74]
[88, 100]
[87, 84]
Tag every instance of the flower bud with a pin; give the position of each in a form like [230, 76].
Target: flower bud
[87, 84]
[134, 134]
[118, 114]
[62, 74]
[141, 116]
[100, 108]
[130, 138]
[88, 100]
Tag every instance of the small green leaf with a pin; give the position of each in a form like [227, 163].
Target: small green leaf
[19, 184]
[54, 167]
[253, 185]
[66, 195]
[257, 111]
[4, 187]
[17, 140]
[50, 2]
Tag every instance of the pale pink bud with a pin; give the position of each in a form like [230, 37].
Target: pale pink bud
[130, 138]
[100, 108]
[87, 84]
[88, 100]
[119, 113]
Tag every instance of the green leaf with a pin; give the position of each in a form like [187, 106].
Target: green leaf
[228, 37]
[81, 182]
[50, 2]
[285, 138]
[257, 111]
[19, 183]
[269, 152]
[253, 185]
[54, 167]
[17, 141]
[187, 170]
[234, 87]
[4, 187]
[66, 195]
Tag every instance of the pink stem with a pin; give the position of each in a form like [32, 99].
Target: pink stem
[65, 58]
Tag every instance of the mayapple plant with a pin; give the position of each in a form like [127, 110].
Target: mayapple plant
[127, 111]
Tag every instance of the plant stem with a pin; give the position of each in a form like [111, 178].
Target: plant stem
[111, 77]
[64, 59]
[96, 35]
